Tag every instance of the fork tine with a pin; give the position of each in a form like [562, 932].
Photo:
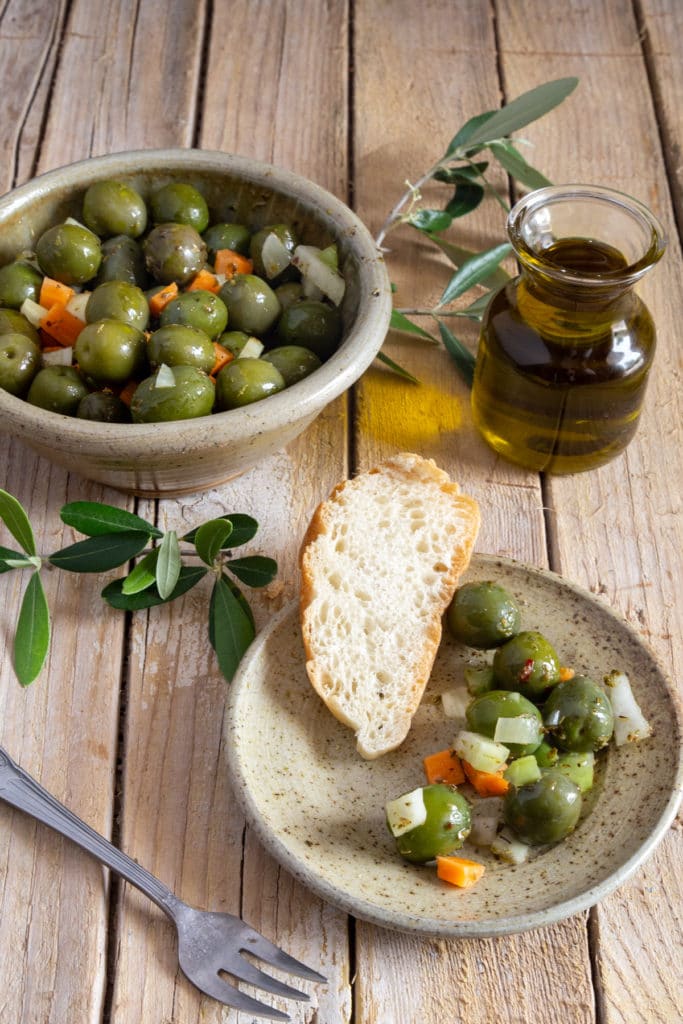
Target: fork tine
[226, 993]
[244, 970]
[276, 957]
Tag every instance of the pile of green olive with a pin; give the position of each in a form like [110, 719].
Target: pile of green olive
[123, 252]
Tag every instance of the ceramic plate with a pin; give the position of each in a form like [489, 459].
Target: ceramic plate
[318, 807]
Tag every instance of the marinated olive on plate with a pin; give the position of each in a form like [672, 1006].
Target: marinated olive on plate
[439, 818]
[246, 380]
[179, 345]
[114, 208]
[57, 389]
[544, 811]
[578, 715]
[312, 324]
[484, 712]
[483, 615]
[528, 663]
[227, 236]
[19, 363]
[70, 253]
[187, 393]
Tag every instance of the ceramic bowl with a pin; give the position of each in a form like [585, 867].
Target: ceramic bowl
[191, 455]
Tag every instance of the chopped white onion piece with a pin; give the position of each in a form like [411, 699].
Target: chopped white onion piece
[77, 303]
[58, 357]
[165, 377]
[520, 729]
[33, 311]
[454, 702]
[509, 849]
[252, 349]
[310, 290]
[275, 255]
[406, 812]
[316, 270]
[486, 817]
[77, 223]
[629, 722]
[482, 753]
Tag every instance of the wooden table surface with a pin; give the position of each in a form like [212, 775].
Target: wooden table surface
[124, 724]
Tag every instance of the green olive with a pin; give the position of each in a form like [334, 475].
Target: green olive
[190, 396]
[103, 407]
[315, 325]
[252, 304]
[293, 362]
[227, 236]
[235, 341]
[14, 322]
[123, 260]
[19, 281]
[174, 252]
[69, 253]
[180, 203]
[484, 711]
[110, 351]
[445, 828]
[483, 615]
[57, 389]
[180, 345]
[289, 292]
[578, 715]
[114, 208]
[19, 363]
[118, 300]
[286, 235]
[198, 308]
[544, 811]
[246, 380]
[528, 663]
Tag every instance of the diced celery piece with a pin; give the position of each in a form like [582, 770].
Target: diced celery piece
[406, 812]
[481, 752]
[546, 755]
[509, 849]
[578, 767]
[478, 679]
[519, 729]
[523, 770]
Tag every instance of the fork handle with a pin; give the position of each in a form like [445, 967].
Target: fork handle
[21, 790]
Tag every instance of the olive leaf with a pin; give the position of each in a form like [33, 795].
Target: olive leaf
[211, 537]
[515, 164]
[467, 198]
[520, 112]
[143, 575]
[459, 353]
[32, 637]
[99, 554]
[400, 322]
[17, 522]
[168, 565]
[430, 220]
[396, 368]
[474, 271]
[230, 629]
[188, 577]
[254, 570]
[15, 560]
[95, 519]
[464, 134]
[458, 255]
[244, 529]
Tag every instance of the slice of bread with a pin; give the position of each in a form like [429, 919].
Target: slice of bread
[380, 562]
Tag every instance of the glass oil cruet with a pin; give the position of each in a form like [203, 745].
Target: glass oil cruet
[566, 347]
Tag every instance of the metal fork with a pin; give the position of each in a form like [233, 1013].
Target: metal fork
[208, 943]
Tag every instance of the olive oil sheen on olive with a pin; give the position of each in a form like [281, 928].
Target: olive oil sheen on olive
[563, 360]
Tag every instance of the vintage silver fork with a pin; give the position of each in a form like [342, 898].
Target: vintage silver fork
[208, 943]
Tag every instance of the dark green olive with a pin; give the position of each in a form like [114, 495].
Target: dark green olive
[227, 236]
[57, 389]
[19, 281]
[286, 235]
[69, 253]
[252, 304]
[118, 300]
[19, 363]
[528, 663]
[235, 341]
[123, 260]
[312, 324]
[484, 711]
[578, 715]
[191, 395]
[544, 811]
[288, 293]
[198, 308]
[483, 615]
[445, 828]
[103, 407]
[14, 322]
[174, 252]
[293, 362]
[110, 351]
[114, 208]
[246, 380]
[180, 203]
[180, 345]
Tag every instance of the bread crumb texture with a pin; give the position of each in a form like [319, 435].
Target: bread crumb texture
[380, 563]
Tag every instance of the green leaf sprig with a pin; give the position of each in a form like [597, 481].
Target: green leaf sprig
[465, 172]
[115, 538]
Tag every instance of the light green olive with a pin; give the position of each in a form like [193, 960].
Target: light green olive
[114, 208]
[246, 380]
[69, 253]
[110, 351]
[118, 300]
[191, 395]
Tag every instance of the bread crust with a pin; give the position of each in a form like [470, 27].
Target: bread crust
[419, 478]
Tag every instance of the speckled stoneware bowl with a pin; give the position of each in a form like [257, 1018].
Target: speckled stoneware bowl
[319, 808]
[191, 455]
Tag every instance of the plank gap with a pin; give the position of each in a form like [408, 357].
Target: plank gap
[203, 72]
[61, 23]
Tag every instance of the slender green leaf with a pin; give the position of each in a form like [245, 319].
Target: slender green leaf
[99, 554]
[113, 594]
[396, 367]
[22, 562]
[466, 199]
[522, 111]
[430, 220]
[476, 309]
[474, 271]
[211, 537]
[32, 638]
[463, 136]
[95, 519]
[400, 322]
[230, 629]
[254, 570]
[244, 529]
[15, 519]
[168, 564]
[516, 166]
[457, 255]
[459, 353]
[10, 559]
[242, 602]
[143, 575]
[463, 172]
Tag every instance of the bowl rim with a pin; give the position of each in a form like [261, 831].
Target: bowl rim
[311, 394]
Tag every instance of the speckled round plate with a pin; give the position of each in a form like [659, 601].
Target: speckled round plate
[319, 808]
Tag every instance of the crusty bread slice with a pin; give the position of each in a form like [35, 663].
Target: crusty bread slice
[380, 562]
